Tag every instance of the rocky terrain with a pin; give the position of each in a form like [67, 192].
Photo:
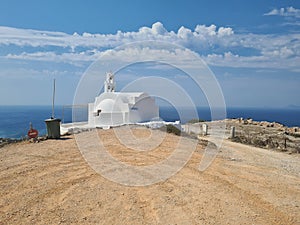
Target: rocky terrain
[269, 135]
[5, 141]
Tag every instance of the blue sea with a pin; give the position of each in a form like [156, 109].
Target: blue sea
[14, 120]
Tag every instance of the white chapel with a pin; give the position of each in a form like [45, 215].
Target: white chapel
[118, 108]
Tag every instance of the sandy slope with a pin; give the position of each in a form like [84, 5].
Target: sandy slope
[50, 183]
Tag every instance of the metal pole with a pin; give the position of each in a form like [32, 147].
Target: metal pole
[53, 98]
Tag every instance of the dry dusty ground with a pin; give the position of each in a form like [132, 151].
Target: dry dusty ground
[50, 183]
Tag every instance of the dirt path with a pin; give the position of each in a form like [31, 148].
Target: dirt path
[50, 183]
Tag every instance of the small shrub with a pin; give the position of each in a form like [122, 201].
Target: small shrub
[172, 129]
[236, 139]
[296, 135]
[258, 142]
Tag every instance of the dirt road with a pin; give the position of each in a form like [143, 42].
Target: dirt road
[50, 183]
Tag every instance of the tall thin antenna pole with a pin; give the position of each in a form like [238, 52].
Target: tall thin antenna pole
[53, 98]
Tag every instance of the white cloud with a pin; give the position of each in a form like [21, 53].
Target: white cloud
[225, 31]
[52, 56]
[34, 38]
[288, 12]
[135, 53]
[282, 53]
[206, 31]
[214, 43]
[184, 33]
[270, 60]
[158, 28]
[211, 30]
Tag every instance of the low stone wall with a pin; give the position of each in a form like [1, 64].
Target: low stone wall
[269, 135]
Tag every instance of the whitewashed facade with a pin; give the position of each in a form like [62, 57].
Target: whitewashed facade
[118, 108]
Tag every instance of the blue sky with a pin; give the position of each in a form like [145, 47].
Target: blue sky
[253, 47]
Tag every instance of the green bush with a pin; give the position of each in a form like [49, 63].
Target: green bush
[172, 129]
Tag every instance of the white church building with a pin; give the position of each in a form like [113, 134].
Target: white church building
[118, 108]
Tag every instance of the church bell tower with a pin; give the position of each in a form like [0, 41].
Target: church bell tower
[109, 84]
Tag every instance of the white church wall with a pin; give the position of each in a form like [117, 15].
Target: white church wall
[91, 117]
[114, 108]
[150, 109]
[109, 119]
[144, 110]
